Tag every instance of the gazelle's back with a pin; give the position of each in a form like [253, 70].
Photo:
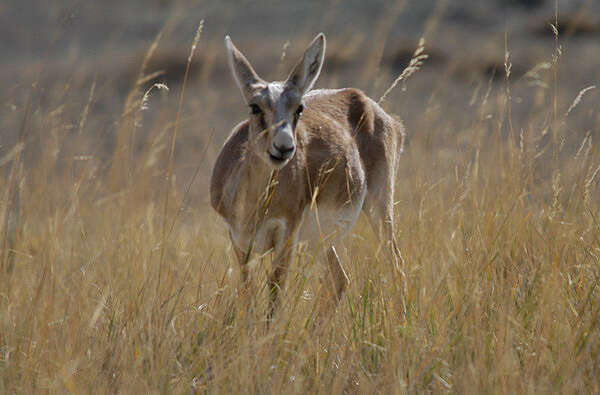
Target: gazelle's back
[346, 125]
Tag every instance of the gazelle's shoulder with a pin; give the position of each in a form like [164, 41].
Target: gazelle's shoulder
[235, 145]
[238, 134]
[231, 154]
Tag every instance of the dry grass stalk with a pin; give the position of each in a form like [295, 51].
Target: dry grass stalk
[86, 109]
[169, 173]
[416, 61]
[144, 103]
[578, 98]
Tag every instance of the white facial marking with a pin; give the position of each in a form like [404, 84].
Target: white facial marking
[282, 145]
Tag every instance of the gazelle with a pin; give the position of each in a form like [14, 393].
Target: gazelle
[303, 166]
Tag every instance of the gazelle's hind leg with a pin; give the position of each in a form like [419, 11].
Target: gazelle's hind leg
[379, 209]
[325, 230]
[338, 277]
[381, 219]
[333, 285]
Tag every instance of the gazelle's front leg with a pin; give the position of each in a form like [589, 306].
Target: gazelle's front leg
[281, 264]
[242, 258]
[284, 253]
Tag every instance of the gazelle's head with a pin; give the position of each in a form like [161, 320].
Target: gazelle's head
[276, 107]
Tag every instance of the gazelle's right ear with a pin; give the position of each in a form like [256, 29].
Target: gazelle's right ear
[245, 76]
[306, 72]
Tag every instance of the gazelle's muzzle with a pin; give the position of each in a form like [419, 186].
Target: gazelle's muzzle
[283, 145]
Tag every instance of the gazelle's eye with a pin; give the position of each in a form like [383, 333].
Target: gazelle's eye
[299, 110]
[255, 109]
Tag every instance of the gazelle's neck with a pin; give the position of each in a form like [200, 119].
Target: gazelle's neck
[255, 169]
[249, 188]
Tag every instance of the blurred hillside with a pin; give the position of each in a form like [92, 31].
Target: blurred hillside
[74, 28]
[66, 47]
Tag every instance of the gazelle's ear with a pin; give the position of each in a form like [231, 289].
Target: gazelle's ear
[243, 73]
[306, 72]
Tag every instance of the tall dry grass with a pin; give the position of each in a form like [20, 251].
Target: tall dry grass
[110, 284]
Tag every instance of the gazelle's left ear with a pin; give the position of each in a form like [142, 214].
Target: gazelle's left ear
[306, 72]
[243, 73]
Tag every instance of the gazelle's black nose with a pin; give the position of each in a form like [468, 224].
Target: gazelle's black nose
[284, 150]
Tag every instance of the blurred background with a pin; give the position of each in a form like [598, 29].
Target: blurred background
[78, 58]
